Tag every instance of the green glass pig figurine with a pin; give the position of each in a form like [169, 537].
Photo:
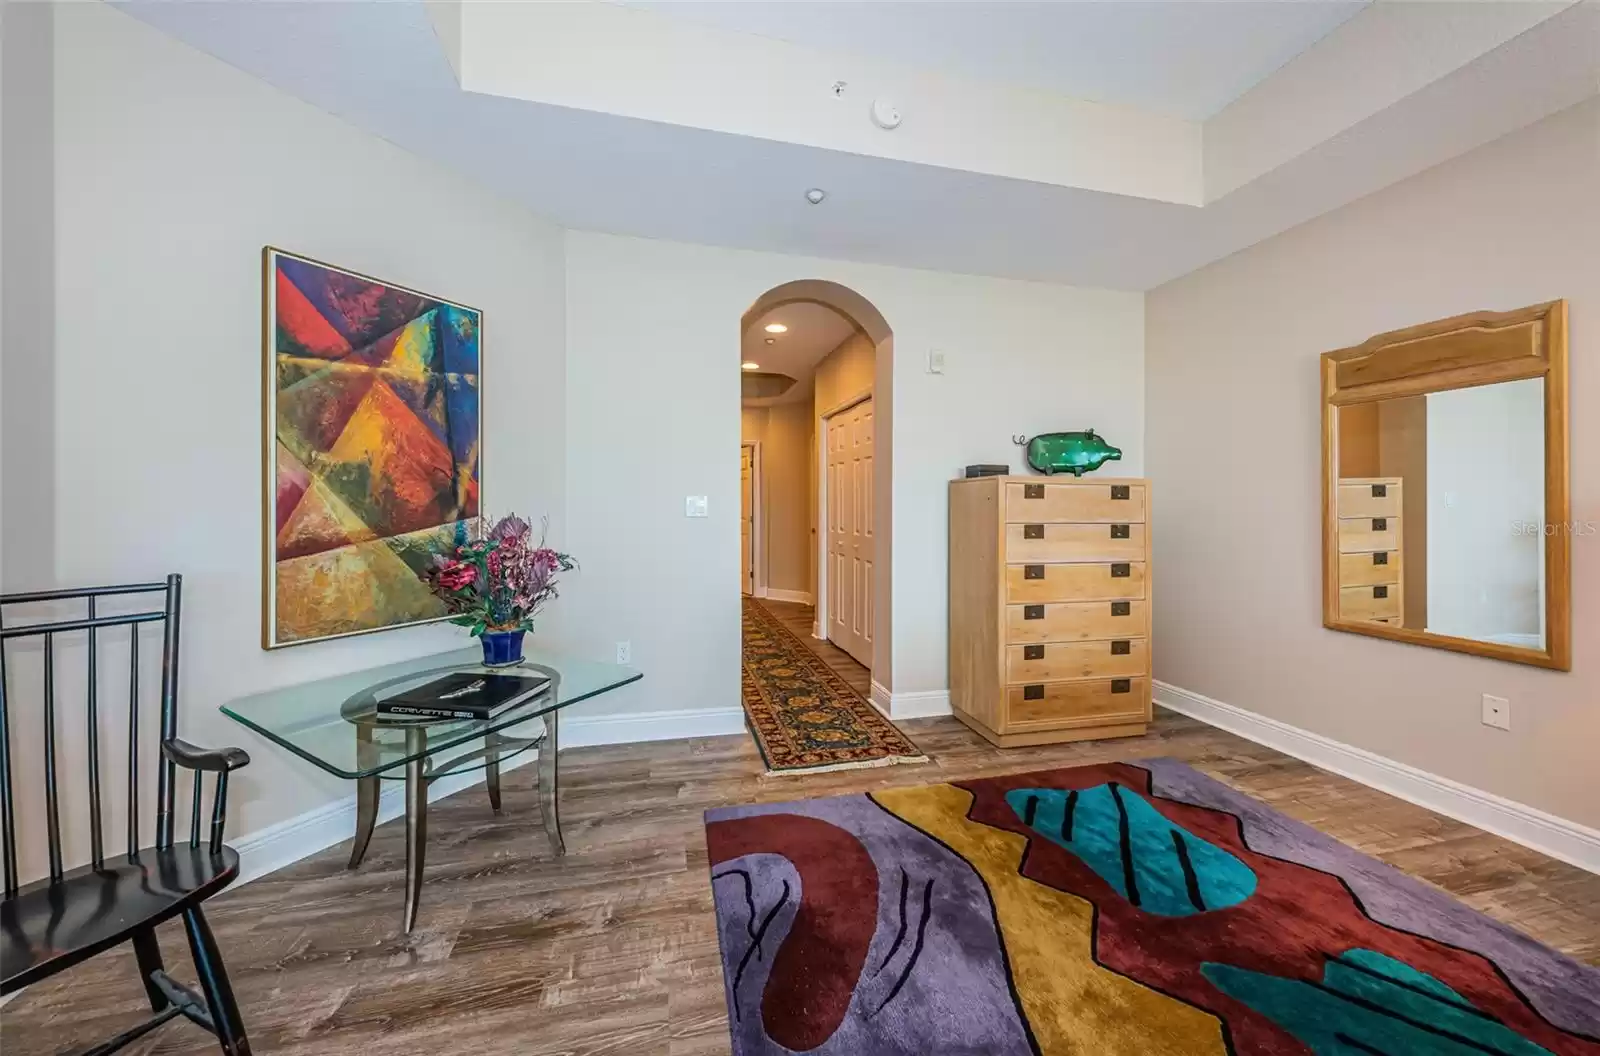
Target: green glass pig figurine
[1075, 453]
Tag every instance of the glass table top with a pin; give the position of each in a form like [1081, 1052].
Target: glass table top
[333, 722]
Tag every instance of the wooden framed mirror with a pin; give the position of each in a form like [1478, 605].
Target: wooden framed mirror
[1446, 518]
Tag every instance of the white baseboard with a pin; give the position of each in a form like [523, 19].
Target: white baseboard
[1569, 841]
[286, 842]
[799, 597]
[922, 704]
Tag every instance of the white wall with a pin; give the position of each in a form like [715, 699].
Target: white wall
[27, 297]
[647, 430]
[1233, 406]
[1485, 485]
[172, 170]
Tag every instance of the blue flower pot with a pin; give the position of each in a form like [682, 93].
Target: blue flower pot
[502, 648]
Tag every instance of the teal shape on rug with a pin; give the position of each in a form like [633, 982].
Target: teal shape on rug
[1368, 1002]
[1155, 864]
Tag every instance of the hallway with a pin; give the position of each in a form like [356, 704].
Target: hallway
[801, 619]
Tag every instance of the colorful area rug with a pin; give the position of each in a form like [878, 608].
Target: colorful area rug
[804, 717]
[1111, 910]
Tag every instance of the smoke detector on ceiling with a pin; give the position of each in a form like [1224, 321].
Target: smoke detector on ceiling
[885, 114]
[815, 195]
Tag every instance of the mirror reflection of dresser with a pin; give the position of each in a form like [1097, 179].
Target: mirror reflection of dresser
[1371, 550]
[1446, 510]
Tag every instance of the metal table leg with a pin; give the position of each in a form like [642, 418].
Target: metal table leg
[416, 821]
[549, 799]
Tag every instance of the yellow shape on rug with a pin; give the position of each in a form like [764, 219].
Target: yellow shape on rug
[1074, 1006]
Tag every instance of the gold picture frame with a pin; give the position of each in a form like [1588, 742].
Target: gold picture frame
[372, 447]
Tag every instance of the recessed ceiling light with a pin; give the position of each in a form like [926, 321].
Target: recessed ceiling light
[748, 365]
[776, 328]
[772, 340]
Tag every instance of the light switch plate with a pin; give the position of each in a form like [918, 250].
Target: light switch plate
[935, 361]
[694, 506]
[1496, 712]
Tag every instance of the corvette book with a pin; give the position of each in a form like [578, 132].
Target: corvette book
[463, 695]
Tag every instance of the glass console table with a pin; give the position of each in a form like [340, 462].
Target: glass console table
[333, 723]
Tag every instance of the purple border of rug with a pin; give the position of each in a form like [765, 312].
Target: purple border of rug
[1565, 991]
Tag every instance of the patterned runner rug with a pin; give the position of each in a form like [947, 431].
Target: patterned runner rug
[1120, 909]
[804, 717]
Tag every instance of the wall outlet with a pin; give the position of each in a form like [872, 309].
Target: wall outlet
[624, 652]
[694, 506]
[1496, 712]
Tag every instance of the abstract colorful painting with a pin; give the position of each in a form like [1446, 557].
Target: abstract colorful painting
[1114, 910]
[373, 447]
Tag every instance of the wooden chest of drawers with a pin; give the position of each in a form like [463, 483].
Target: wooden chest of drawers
[1371, 550]
[1050, 608]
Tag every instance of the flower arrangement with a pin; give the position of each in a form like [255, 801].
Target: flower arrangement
[500, 581]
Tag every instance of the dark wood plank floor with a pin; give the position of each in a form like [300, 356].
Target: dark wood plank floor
[612, 949]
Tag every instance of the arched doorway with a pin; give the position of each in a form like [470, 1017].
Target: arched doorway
[850, 480]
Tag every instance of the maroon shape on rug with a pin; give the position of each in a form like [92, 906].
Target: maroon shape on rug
[814, 972]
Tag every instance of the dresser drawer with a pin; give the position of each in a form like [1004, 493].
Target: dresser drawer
[1074, 582]
[1099, 503]
[1365, 534]
[1068, 704]
[1364, 603]
[1044, 541]
[1358, 500]
[1362, 570]
[1075, 621]
[1116, 658]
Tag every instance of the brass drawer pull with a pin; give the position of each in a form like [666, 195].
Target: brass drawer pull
[1121, 570]
[1033, 531]
[1121, 685]
[1121, 648]
[1033, 652]
[1121, 608]
[1119, 491]
[1380, 592]
[1380, 524]
[1381, 557]
[1380, 491]
[1032, 692]
[1032, 571]
[1033, 612]
[1033, 491]
[1119, 531]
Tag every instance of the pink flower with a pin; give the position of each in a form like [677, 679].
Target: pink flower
[456, 575]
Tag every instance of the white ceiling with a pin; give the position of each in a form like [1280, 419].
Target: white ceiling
[814, 331]
[1183, 58]
[381, 67]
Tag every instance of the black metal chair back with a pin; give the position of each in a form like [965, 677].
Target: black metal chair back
[169, 593]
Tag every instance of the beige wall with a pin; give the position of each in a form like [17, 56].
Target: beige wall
[786, 483]
[845, 373]
[1233, 412]
[784, 433]
[157, 442]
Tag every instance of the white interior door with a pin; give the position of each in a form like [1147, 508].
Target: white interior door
[850, 530]
[747, 514]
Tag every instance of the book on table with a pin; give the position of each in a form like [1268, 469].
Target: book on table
[463, 695]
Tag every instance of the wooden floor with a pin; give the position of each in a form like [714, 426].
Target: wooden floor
[613, 949]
